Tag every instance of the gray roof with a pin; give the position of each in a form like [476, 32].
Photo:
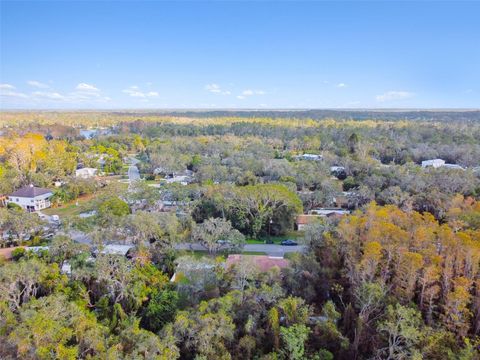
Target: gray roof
[30, 192]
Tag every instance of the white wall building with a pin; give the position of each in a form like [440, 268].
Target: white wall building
[86, 173]
[311, 157]
[31, 198]
[436, 163]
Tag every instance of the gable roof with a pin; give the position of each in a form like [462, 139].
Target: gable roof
[30, 192]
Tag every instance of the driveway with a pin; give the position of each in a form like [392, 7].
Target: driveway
[133, 173]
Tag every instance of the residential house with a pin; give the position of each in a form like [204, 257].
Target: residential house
[182, 179]
[86, 173]
[329, 212]
[306, 219]
[7, 253]
[338, 171]
[262, 263]
[453, 166]
[435, 163]
[31, 198]
[117, 249]
[315, 215]
[311, 157]
[3, 200]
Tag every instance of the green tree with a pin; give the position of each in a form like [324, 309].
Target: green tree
[293, 340]
[113, 207]
[217, 233]
[402, 329]
[161, 309]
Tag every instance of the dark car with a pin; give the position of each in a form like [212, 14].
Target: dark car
[288, 243]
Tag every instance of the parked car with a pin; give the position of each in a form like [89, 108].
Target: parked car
[289, 242]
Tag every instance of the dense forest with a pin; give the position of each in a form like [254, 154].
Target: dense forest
[395, 276]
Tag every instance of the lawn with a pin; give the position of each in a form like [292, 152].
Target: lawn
[72, 208]
[294, 235]
[198, 254]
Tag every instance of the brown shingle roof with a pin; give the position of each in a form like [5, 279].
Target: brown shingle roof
[30, 192]
[307, 219]
[7, 252]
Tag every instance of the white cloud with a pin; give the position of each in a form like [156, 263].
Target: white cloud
[250, 92]
[84, 94]
[7, 86]
[394, 95]
[241, 97]
[8, 91]
[216, 89]
[37, 84]
[134, 91]
[48, 95]
[341, 85]
[12, 94]
[86, 87]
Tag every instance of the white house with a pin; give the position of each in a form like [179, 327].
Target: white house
[31, 198]
[181, 179]
[336, 169]
[435, 163]
[453, 166]
[311, 157]
[86, 173]
[116, 249]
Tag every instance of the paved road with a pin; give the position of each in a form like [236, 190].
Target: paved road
[133, 173]
[134, 160]
[270, 249]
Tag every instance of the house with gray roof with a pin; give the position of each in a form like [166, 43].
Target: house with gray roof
[31, 198]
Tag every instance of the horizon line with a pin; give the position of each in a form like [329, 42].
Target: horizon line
[201, 109]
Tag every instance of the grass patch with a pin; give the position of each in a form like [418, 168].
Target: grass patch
[199, 254]
[294, 235]
[291, 256]
[254, 253]
[71, 208]
[255, 241]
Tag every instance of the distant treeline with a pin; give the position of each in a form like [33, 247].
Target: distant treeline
[390, 115]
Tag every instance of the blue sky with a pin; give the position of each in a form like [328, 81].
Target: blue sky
[239, 54]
